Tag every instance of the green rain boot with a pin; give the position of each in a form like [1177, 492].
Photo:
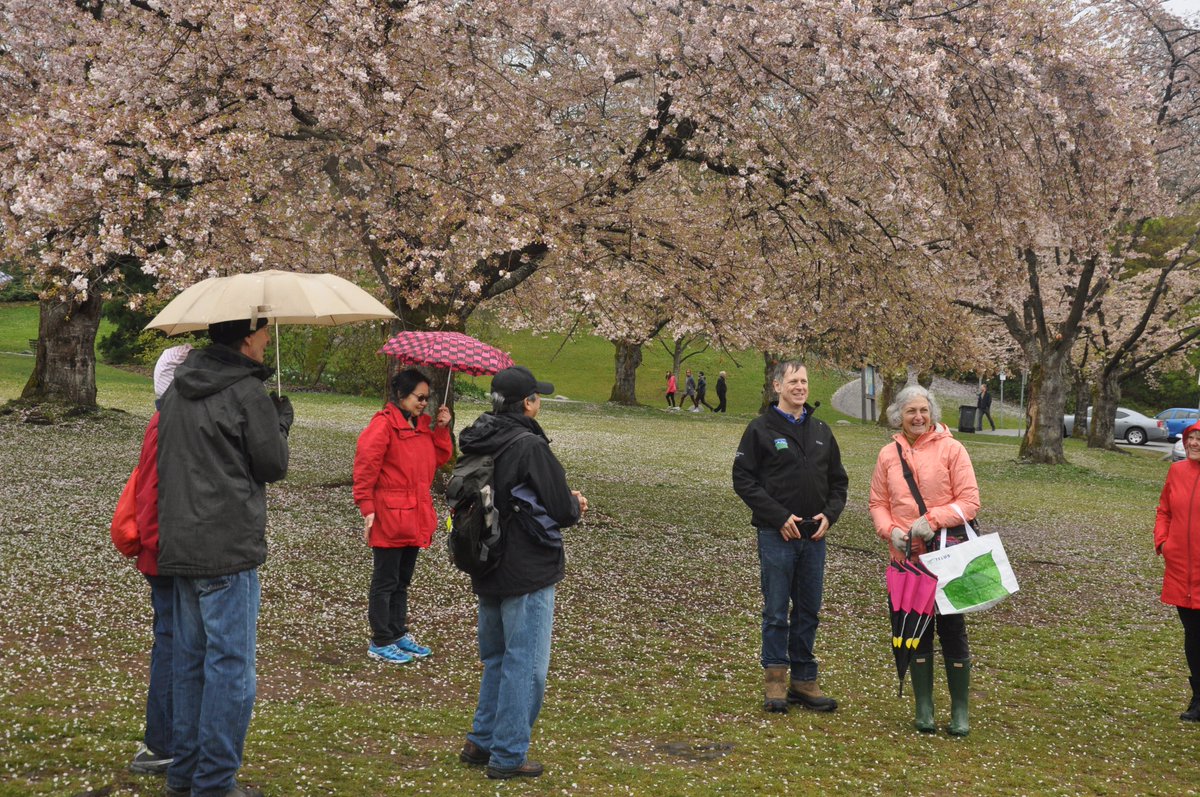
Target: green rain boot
[921, 670]
[958, 676]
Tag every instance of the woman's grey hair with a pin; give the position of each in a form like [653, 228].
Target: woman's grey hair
[906, 395]
[502, 406]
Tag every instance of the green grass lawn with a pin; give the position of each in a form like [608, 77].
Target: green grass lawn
[655, 686]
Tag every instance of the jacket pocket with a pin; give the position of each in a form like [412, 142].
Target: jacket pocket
[400, 499]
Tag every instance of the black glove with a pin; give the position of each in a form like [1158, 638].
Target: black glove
[283, 406]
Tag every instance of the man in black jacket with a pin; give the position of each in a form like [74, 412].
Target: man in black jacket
[985, 408]
[221, 438]
[788, 470]
[516, 600]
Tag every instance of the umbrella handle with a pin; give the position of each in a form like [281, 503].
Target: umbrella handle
[278, 378]
[449, 379]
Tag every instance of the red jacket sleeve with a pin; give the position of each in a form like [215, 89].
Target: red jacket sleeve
[442, 445]
[368, 460]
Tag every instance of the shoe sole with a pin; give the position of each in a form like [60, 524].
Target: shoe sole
[497, 774]
[150, 769]
[419, 655]
[381, 657]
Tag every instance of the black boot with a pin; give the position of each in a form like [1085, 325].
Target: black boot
[1193, 712]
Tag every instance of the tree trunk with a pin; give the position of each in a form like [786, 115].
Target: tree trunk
[1104, 413]
[893, 380]
[65, 368]
[1083, 395]
[770, 360]
[628, 358]
[1047, 399]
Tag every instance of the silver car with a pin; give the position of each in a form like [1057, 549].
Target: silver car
[1177, 453]
[1131, 426]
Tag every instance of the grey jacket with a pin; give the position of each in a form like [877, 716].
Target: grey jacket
[220, 440]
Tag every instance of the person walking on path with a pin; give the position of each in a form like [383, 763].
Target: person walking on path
[788, 470]
[701, 391]
[941, 468]
[1177, 541]
[671, 389]
[689, 391]
[221, 439]
[516, 600]
[720, 392]
[985, 408]
[397, 455]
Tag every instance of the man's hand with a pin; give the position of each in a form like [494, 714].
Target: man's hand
[791, 529]
[283, 406]
[819, 534]
[922, 529]
[368, 521]
[582, 501]
[899, 538]
[443, 417]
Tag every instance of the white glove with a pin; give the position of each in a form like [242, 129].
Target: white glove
[899, 538]
[922, 529]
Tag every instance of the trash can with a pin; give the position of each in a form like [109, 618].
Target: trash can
[966, 418]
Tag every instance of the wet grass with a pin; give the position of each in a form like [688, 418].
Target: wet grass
[654, 684]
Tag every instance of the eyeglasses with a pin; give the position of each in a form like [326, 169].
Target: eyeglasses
[421, 399]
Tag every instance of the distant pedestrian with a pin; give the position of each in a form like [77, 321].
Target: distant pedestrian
[985, 408]
[689, 392]
[395, 461]
[701, 391]
[720, 392]
[671, 389]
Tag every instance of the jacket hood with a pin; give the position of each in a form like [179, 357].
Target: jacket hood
[490, 432]
[939, 431]
[1195, 427]
[211, 370]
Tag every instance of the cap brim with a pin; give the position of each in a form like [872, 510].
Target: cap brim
[544, 388]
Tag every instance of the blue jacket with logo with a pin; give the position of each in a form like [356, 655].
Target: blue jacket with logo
[783, 468]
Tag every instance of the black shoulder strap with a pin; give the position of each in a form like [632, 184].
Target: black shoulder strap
[908, 477]
[518, 436]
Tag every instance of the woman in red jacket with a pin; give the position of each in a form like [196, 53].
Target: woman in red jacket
[1177, 541]
[397, 455]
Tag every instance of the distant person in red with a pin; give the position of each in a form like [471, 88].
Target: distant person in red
[398, 454]
[1177, 541]
[672, 388]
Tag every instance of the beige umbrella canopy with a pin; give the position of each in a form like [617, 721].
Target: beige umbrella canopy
[284, 297]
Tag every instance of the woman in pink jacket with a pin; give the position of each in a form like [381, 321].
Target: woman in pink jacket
[1177, 541]
[397, 455]
[945, 479]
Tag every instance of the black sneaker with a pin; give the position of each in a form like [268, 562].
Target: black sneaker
[239, 790]
[148, 762]
[530, 769]
[171, 792]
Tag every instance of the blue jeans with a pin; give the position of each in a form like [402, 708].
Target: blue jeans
[215, 636]
[514, 646]
[158, 696]
[792, 571]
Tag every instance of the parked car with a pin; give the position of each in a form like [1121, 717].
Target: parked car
[1177, 419]
[1131, 426]
[1177, 453]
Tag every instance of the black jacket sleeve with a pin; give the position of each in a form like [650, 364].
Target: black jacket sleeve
[266, 438]
[749, 486]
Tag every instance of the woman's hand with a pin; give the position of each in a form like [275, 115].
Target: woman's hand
[443, 417]
[922, 529]
[369, 521]
[899, 538]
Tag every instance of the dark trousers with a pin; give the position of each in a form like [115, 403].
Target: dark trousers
[952, 634]
[387, 606]
[670, 399]
[159, 706]
[1191, 638]
[700, 400]
[720, 403]
[979, 419]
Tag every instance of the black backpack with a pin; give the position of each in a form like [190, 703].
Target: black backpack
[475, 540]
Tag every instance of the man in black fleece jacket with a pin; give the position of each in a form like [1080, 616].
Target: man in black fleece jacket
[788, 470]
[516, 600]
[221, 438]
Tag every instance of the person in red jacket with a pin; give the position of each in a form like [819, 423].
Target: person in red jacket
[1177, 541]
[397, 456]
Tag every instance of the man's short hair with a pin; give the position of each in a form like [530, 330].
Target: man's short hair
[501, 405]
[231, 333]
[783, 366]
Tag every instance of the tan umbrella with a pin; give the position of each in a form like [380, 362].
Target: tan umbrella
[285, 297]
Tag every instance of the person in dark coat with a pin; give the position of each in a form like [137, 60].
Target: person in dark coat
[788, 470]
[720, 392]
[516, 599]
[702, 391]
[985, 408]
[221, 439]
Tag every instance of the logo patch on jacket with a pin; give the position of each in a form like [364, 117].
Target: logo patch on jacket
[780, 443]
